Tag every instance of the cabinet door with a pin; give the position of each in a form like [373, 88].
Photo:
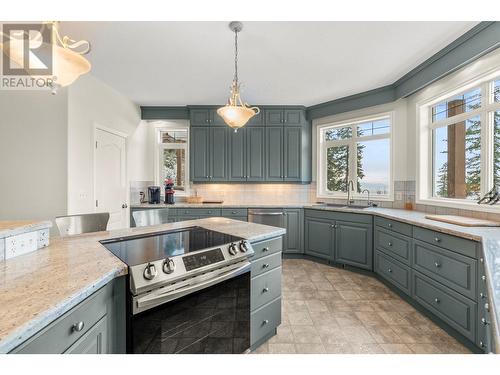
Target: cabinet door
[293, 116]
[93, 342]
[274, 117]
[237, 161]
[255, 151]
[319, 238]
[292, 240]
[199, 154]
[292, 153]
[257, 120]
[200, 117]
[353, 244]
[274, 154]
[218, 154]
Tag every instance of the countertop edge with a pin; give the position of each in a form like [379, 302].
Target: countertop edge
[25, 228]
[35, 325]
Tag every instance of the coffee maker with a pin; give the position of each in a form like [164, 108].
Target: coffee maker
[154, 194]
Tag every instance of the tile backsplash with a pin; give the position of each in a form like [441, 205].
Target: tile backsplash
[136, 187]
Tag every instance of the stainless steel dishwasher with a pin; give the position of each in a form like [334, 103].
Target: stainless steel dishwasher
[268, 216]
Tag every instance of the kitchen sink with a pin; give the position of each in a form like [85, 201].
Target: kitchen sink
[343, 205]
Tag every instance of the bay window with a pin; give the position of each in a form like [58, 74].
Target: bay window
[358, 150]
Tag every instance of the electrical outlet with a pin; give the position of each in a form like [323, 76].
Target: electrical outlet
[43, 238]
[20, 244]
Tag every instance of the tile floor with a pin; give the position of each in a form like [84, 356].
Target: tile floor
[331, 310]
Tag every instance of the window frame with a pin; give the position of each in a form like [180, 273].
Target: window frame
[160, 146]
[322, 146]
[425, 142]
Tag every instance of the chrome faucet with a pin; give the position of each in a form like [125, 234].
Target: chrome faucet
[369, 203]
[350, 185]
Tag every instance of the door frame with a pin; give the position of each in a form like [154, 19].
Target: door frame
[125, 136]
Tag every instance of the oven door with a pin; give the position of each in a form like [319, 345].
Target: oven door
[213, 319]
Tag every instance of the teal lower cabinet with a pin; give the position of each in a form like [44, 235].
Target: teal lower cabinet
[319, 237]
[484, 338]
[294, 238]
[393, 271]
[265, 297]
[95, 326]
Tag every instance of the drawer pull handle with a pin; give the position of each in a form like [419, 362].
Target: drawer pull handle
[233, 212]
[484, 321]
[265, 249]
[437, 239]
[77, 327]
[265, 265]
[390, 270]
[437, 264]
[264, 322]
[390, 244]
[265, 290]
[437, 300]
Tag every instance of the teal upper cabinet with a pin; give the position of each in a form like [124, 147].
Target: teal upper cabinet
[255, 153]
[274, 150]
[199, 153]
[275, 146]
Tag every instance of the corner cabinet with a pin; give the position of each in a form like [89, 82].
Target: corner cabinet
[275, 146]
[339, 237]
[294, 223]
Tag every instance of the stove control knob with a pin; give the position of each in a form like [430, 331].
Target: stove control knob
[243, 247]
[232, 249]
[168, 265]
[150, 272]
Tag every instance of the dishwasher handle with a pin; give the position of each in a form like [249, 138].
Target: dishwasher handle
[267, 213]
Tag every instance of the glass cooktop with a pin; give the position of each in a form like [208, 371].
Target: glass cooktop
[154, 246]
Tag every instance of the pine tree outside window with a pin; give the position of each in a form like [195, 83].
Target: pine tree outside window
[357, 150]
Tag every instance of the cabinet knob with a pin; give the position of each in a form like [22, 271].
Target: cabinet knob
[266, 265]
[487, 307]
[265, 249]
[265, 290]
[483, 278]
[484, 321]
[437, 264]
[482, 295]
[437, 239]
[390, 270]
[264, 322]
[481, 344]
[437, 300]
[389, 225]
[390, 244]
[77, 327]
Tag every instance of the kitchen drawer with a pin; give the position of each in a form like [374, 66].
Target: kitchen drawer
[232, 212]
[456, 310]
[265, 288]
[394, 272]
[393, 244]
[265, 264]
[199, 212]
[451, 269]
[93, 342]
[267, 247]
[265, 320]
[58, 336]
[394, 225]
[456, 244]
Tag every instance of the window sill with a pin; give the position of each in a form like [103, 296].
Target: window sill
[470, 206]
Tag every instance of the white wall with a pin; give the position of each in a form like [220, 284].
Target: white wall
[399, 133]
[91, 103]
[33, 155]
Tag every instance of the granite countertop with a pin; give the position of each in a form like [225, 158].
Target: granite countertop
[13, 228]
[39, 287]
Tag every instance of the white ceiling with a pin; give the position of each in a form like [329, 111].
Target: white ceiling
[179, 63]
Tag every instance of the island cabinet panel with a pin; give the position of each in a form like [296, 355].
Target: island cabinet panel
[96, 325]
[354, 244]
[265, 286]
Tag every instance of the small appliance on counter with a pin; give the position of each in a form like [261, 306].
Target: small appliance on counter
[154, 194]
[169, 191]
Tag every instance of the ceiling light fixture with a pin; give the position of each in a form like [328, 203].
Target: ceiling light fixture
[68, 62]
[236, 113]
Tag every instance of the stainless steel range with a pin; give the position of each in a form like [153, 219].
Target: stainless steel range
[188, 291]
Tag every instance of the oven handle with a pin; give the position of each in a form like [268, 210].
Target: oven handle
[157, 299]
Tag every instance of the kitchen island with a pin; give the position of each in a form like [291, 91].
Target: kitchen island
[39, 288]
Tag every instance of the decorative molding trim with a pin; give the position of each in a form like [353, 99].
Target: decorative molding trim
[164, 113]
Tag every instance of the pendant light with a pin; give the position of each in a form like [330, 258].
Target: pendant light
[68, 62]
[236, 113]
